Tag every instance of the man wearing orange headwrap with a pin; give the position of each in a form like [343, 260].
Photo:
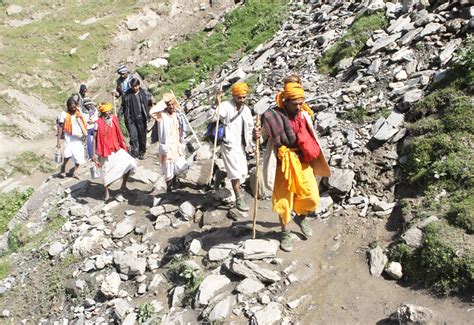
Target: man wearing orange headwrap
[238, 121]
[293, 144]
[110, 150]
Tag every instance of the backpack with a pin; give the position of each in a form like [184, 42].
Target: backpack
[211, 132]
[211, 129]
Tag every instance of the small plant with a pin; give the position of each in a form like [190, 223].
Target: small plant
[146, 312]
[181, 273]
[10, 204]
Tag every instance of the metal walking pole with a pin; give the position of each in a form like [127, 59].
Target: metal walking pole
[186, 119]
[257, 175]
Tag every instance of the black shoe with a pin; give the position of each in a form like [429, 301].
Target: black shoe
[141, 156]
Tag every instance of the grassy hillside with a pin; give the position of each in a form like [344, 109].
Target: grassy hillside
[192, 61]
[36, 57]
[440, 166]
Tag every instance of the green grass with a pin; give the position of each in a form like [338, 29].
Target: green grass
[352, 42]
[35, 57]
[439, 160]
[442, 263]
[27, 163]
[360, 115]
[193, 60]
[10, 203]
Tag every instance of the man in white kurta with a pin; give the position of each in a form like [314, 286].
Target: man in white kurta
[170, 141]
[238, 121]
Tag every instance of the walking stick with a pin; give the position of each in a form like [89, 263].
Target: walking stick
[257, 175]
[215, 142]
[115, 109]
[186, 119]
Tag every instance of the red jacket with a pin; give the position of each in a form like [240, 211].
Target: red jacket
[109, 138]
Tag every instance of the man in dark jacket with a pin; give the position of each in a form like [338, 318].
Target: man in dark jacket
[136, 106]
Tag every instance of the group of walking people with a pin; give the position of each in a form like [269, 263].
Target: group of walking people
[292, 159]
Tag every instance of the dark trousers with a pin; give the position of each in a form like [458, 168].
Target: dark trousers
[137, 134]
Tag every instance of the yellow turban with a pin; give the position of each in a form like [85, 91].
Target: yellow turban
[105, 107]
[292, 90]
[240, 89]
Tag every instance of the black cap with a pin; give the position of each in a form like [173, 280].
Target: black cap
[82, 88]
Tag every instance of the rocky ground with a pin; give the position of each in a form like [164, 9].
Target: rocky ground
[188, 256]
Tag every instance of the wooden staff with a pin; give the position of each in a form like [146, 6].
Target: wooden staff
[186, 119]
[215, 143]
[257, 175]
[115, 106]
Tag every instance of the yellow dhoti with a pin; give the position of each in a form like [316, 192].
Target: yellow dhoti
[284, 200]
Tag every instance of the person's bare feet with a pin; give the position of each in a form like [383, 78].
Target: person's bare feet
[106, 195]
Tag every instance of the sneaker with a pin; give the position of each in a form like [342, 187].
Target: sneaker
[241, 205]
[141, 156]
[304, 225]
[285, 242]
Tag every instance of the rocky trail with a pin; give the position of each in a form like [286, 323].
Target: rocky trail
[188, 256]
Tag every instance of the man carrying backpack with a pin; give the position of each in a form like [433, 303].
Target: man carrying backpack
[238, 121]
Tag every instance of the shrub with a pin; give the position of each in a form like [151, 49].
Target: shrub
[436, 264]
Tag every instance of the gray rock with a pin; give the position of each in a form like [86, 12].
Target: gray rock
[376, 5]
[187, 210]
[341, 180]
[383, 206]
[178, 296]
[262, 105]
[412, 96]
[410, 36]
[159, 62]
[222, 309]
[209, 287]
[162, 222]
[412, 314]
[128, 263]
[143, 175]
[257, 249]
[195, 247]
[326, 37]
[422, 224]
[155, 282]
[248, 269]
[374, 67]
[402, 55]
[384, 41]
[124, 227]
[86, 245]
[259, 63]
[249, 286]
[377, 261]
[235, 76]
[345, 64]
[447, 53]
[55, 249]
[204, 152]
[121, 308]
[270, 314]
[199, 172]
[14, 10]
[132, 23]
[111, 285]
[401, 75]
[399, 24]
[131, 319]
[413, 237]
[214, 217]
[221, 252]
[325, 202]
[430, 29]
[394, 269]
[79, 210]
[390, 127]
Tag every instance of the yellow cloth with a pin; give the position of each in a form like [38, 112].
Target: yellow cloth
[291, 169]
[285, 201]
[240, 89]
[105, 107]
[292, 90]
